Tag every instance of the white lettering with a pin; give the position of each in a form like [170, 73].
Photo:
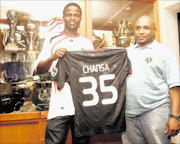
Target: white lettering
[85, 70]
[95, 68]
[107, 68]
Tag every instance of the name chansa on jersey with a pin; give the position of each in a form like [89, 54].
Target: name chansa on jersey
[95, 68]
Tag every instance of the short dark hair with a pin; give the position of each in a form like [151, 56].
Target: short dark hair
[72, 4]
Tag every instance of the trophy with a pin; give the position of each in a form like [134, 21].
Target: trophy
[32, 35]
[13, 19]
[122, 33]
[41, 95]
[98, 42]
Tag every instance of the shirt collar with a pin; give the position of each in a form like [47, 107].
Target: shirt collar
[150, 46]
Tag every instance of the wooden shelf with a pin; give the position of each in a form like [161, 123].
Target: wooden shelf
[23, 128]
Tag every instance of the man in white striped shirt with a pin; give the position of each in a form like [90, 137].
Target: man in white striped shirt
[61, 111]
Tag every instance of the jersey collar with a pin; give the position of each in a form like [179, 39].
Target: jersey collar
[70, 36]
[149, 46]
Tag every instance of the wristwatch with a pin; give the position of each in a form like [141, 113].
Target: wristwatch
[175, 116]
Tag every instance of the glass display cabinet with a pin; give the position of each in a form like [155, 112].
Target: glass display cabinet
[23, 31]
[112, 22]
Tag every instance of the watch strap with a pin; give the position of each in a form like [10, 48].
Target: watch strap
[175, 116]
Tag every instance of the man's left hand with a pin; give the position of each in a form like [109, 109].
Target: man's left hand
[172, 127]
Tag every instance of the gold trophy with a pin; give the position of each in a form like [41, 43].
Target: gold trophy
[122, 33]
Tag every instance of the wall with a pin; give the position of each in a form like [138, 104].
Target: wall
[169, 31]
[169, 24]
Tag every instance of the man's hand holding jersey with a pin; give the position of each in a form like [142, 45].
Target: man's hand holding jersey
[59, 53]
[44, 66]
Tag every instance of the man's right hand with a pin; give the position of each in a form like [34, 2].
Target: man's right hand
[59, 53]
[44, 66]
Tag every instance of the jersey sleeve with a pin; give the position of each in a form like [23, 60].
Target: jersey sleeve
[59, 74]
[129, 65]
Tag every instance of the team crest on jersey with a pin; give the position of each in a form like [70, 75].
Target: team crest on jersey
[54, 71]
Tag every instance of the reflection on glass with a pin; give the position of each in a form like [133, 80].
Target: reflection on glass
[112, 21]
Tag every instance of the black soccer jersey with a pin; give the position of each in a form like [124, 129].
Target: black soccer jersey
[97, 81]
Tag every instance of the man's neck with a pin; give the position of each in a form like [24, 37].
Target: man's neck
[70, 33]
[145, 44]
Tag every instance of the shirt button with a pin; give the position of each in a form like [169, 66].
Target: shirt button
[62, 107]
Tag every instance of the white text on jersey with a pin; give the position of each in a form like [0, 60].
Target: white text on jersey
[95, 68]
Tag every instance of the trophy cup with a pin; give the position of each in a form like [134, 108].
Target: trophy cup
[13, 19]
[98, 42]
[122, 33]
[32, 35]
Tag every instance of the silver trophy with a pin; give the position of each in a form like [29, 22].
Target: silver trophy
[9, 35]
[32, 35]
[13, 19]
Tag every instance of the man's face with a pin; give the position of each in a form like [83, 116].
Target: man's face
[72, 17]
[144, 31]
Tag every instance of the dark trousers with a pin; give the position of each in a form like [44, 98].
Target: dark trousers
[57, 129]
